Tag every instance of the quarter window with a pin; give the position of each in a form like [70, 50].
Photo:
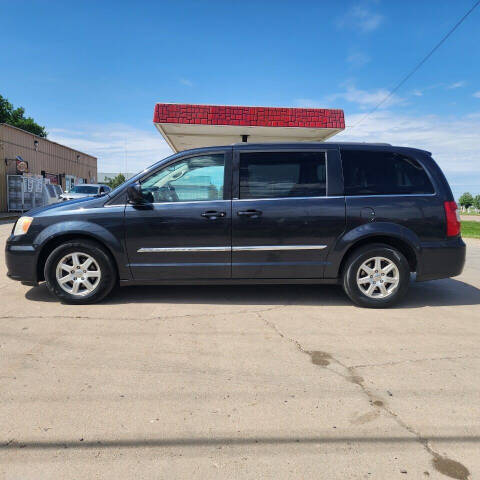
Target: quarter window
[192, 179]
[383, 173]
[282, 174]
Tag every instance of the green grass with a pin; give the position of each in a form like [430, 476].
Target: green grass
[468, 213]
[470, 229]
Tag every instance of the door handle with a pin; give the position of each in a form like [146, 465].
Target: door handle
[249, 213]
[213, 214]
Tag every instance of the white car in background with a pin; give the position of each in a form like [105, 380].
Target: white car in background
[85, 190]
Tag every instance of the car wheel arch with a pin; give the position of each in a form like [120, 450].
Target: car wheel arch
[401, 244]
[393, 234]
[53, 242]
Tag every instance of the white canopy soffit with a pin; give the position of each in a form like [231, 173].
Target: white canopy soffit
[187, 126]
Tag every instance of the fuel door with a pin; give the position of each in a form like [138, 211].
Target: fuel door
[368, 214]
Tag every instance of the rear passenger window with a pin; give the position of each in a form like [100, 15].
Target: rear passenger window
[383, 173]
[282, 174]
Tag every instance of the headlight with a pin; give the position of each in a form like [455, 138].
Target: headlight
[22, 225]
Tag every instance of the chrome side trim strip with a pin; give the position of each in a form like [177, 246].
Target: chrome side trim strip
[183, 249]
[249, 248]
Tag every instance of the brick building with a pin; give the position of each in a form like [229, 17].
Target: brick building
[23, 152]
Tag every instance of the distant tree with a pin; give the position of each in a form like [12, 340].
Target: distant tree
[466, 200]
[476, 202]
[116, 181]
[16, 117]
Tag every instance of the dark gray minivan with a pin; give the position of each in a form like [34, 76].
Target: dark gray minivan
[365, 216]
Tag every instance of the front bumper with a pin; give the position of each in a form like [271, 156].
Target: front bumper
[21, 263]
[441, 260]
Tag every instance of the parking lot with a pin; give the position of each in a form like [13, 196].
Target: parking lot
[241, 382]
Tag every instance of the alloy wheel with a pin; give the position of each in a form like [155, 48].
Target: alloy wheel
[78, 274]
[378, 277]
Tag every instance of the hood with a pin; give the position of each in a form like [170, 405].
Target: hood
[83, 202]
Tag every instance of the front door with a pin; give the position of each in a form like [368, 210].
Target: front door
[184, 231]
[284, 222]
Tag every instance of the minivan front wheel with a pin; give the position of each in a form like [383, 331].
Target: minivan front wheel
[376, 276]
[79, 272]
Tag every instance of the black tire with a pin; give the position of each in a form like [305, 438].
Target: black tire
[105, 263]
[355, 261]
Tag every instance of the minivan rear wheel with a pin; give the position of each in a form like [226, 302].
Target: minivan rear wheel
[80, 272]
[376, 276]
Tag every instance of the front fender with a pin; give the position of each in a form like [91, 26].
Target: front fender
[363, 232]
[86, 229]
[80, 227]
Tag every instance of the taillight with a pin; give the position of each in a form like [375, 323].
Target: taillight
[453, 219]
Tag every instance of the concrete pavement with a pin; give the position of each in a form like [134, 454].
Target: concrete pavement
[241, 382]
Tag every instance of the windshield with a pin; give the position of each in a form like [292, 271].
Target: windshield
[84, 189]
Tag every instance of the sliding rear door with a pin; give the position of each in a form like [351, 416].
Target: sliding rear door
[283, 222]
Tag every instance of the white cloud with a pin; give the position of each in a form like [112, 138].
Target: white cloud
[365, 99]
[108, 143]
[358, 59]
[418, 92]
[477, 94]
[186, 82]
[453, 141]
[455, 85]
[362, 18]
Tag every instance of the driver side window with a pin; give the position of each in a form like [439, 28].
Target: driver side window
[188, 180]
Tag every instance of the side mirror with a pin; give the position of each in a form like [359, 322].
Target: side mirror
[134, 194]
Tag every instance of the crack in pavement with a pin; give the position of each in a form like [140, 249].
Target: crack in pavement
[417, 360]
[442, 464]
[164, 317]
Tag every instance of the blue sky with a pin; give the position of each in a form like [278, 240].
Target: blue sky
[92, 71]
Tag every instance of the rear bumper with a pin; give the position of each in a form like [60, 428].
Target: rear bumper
[21, 263]
[441, 260]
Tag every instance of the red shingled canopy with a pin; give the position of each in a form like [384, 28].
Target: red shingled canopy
[190, 126]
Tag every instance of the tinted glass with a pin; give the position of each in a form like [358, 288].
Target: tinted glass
[383, 173]
[282, 174]
[193, 179]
